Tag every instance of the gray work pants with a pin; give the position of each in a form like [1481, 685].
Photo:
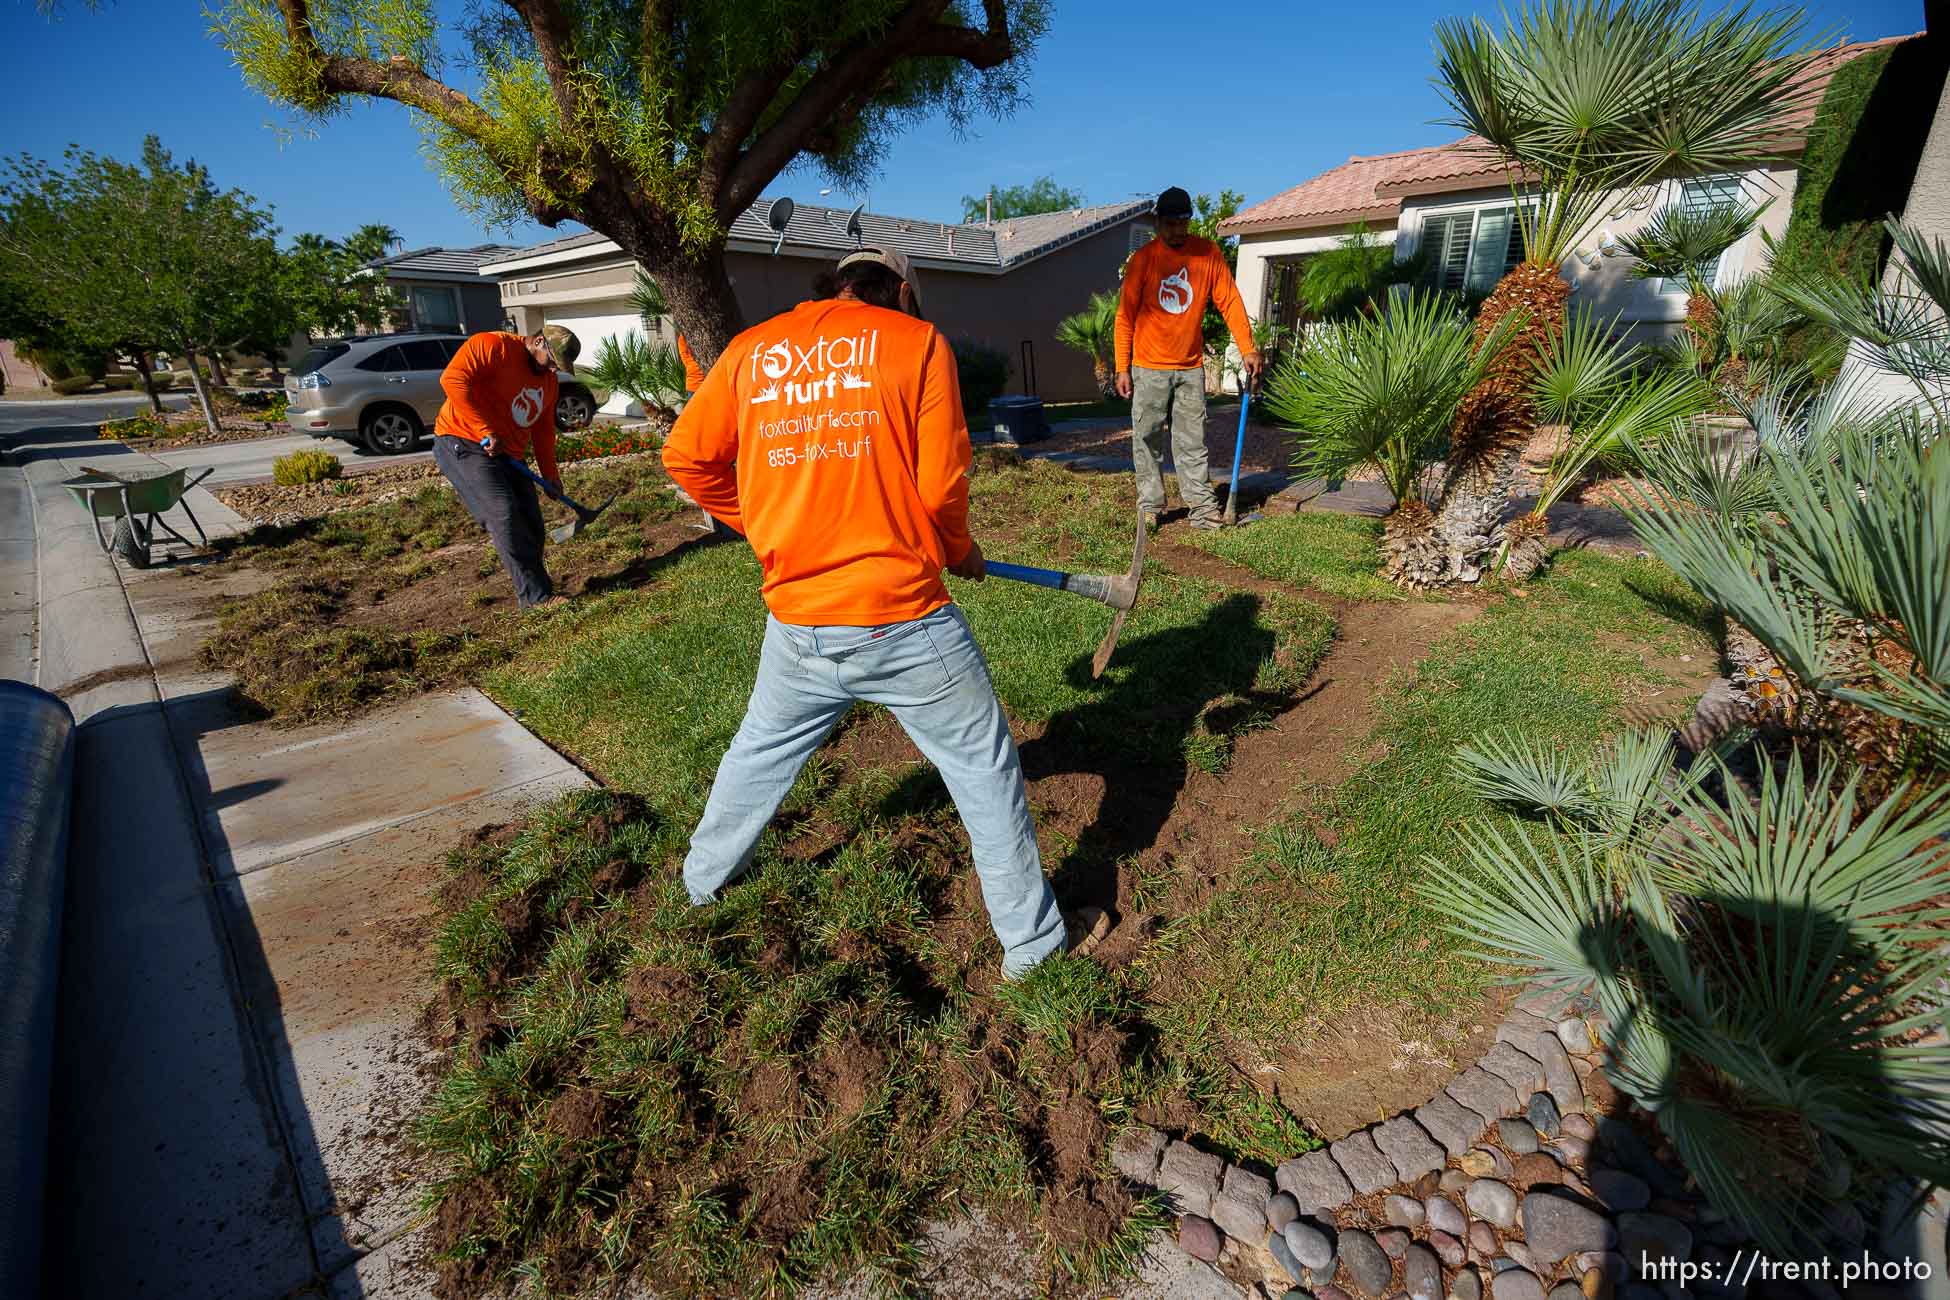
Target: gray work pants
[1179, 396]
[502, 500]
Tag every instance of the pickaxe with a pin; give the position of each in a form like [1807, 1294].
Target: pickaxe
[1119, 590]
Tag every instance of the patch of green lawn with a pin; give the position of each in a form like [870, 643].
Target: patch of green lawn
[1308, 932]
[1338, 555]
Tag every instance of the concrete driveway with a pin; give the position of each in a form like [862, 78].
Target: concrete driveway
[243, 462]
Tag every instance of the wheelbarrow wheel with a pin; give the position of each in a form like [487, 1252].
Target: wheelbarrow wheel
[131, 542]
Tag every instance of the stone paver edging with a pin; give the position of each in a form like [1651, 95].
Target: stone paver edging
[1518, 1181]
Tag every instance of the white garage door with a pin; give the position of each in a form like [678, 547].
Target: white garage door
[592, 322]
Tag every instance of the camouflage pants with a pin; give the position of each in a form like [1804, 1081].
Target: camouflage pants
[1176, 397]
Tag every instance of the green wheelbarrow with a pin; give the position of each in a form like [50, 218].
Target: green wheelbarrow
[127, 498]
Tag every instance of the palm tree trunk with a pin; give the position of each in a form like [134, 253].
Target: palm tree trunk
[1494, 424]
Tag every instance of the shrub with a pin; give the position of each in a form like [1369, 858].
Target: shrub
[121, 383]
[306, 467]
[983, 372]
[649, 373]
[77, 384]
[1760, 962]
[146, 425]
[605, 440]
[163, 380]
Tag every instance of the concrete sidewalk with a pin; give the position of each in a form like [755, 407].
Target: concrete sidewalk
[244, 953]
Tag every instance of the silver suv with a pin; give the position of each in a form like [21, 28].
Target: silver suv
[382, 391]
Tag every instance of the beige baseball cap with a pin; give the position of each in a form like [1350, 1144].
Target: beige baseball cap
[893, 259]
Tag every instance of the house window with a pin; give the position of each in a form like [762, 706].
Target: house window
[1471, 250]
[436, 309]
[1702, 194]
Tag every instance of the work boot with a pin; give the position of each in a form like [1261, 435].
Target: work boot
[1087, 927]
[1207, 524]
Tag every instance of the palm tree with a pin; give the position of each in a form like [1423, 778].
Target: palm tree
[1350, 276]
[1090, 332]
[1679, 243]
[1578, 100]
[371, 241]
[1381, 390]
[648, 300]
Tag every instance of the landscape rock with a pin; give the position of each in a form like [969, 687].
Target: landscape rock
[1393, 1241]
[1136, 1152]
[1556, 1227]
[1427, 1185]
[1478, 1162]
[1517, 1135]
[1518, 1069]
[1443, 1216]
[1560, 1076]
[1575, 1036]
[1521, 1025]
[1449, 1122]
[1525, 1257]
[1655, 1236]
[1363, 1163]
[1580, 1127]
[1466, 1285]
[1566, 1291]
[1408, 1148]
[1199, 1238]
[1674, 1208]
[1500, 1164]
[1422, 1274]
[1537, 1169]
[1620, 1191]
[1493, 1201]
[1543, 1114]
[1483, 1092]
[1598, 1092]
[1482, 1239]
[1403, 1211]
[1571, 1150]
[1240, 1207]
[1365, 1264]
[1276, 1247]
[1448, 1248]
[1314, 1182]
[1517, 1284]
[1281, 1209]
[1630, 1153]
[1311, 1243]
[1456, 1181]
[1330, 1293]
[1190, 1177]
[1503, 1264]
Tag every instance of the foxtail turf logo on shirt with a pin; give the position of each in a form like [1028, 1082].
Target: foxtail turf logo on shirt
[805, 373]
[526, 407]
[1175, 291]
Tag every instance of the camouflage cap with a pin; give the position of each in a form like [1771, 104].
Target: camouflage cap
[563, 345]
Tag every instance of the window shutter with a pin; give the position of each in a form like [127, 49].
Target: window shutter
[1446, 241]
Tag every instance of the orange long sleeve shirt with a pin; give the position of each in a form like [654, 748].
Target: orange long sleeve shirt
[693, 373]
[832, 437]
[1163, 302]
[494, 388]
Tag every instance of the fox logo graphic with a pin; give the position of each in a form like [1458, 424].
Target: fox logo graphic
[527, 407]
[1175, 291]
[776, 360]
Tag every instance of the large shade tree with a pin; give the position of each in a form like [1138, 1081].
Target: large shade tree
[653, 122]
[1580, 100]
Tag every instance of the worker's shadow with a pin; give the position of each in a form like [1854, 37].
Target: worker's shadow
[1168, 699]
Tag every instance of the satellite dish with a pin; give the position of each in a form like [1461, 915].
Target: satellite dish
[853, 223]
[777, 216]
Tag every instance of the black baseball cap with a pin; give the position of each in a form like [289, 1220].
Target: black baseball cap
[1173, 203]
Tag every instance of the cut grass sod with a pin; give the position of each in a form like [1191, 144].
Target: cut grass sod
[1336, 555]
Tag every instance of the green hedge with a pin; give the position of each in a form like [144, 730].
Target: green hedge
[1863, 149]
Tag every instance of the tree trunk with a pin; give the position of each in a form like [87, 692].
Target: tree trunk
[695, 285]
[217, 372]
[202, 388]
[148, 373]
[1495, 422]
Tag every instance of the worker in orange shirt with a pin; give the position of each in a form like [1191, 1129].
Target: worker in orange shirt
[1161, 355]
[501, 390]
[832, 437]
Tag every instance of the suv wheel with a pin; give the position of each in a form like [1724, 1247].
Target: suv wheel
[573, 409]
[391, 430]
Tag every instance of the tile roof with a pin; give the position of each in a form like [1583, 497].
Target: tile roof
[442, 261]
[1371, 188]
[1000, 246]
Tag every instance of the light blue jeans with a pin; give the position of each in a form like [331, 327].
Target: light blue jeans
[931, 676]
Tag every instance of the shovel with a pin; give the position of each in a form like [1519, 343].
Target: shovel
[1238, 453]
[585, 516]
[1117, 590]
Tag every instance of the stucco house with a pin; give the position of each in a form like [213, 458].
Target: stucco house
[1454, 202]
[1004, 284]
[441, 289]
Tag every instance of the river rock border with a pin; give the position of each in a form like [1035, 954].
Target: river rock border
[1516, 1182]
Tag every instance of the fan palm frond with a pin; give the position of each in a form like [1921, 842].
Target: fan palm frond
[1904, 330]
[1679, 243]
[650, 373]
[647, 300]
[1510, 769]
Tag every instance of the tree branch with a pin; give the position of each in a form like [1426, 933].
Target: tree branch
[914, 33]
[550, 30]
[404, 82]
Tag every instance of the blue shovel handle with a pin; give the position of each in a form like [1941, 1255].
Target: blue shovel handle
[1053, 578]
[1238, 453]
[548, 488]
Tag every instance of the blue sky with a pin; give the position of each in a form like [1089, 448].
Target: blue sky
[1128, 96]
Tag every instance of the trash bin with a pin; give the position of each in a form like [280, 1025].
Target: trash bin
[1017, 419]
